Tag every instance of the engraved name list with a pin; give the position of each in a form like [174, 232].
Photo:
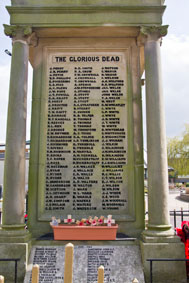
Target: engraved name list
[86, 152]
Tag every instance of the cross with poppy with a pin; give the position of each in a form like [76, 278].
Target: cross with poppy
[69, 220]
[109, 220]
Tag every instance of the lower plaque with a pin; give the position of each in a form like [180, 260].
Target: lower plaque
[121, 264]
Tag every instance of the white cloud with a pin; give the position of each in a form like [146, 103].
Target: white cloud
[175, 65]
[175, 69]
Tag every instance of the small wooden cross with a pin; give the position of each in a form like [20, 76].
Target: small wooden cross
[69, 220]
[109, 220]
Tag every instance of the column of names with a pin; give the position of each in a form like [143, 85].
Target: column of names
[84, 142]
[58, 139]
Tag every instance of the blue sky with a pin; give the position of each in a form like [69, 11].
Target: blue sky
[175, 69]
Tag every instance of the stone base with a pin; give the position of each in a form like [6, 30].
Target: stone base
[160, 238]
[15, 243]
[158, 232]
[169, 272]
[12, 251]
[14, 234]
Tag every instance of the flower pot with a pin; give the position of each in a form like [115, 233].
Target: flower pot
[74, 232]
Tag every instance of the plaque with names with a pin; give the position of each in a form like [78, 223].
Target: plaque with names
[86, 139]
[121, 264]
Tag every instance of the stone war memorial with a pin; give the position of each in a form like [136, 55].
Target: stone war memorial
[86, 154]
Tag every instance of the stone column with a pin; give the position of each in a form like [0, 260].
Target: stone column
[14, 169]
[158, 212]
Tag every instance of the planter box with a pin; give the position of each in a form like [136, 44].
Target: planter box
[74, 232]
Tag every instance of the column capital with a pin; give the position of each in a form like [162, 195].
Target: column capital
[22, 34]
[153, 32]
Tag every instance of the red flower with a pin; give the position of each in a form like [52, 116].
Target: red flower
[93, 222]
[100, 221]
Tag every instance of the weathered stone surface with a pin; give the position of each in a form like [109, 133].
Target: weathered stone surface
[13, 251]
[14, 168]
[86, 2]
[65, 190]
[86, 12]
[121, 264]
[159, 223]
[169, 272]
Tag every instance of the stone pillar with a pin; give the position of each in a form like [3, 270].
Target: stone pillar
[14, 169]
[158, 212]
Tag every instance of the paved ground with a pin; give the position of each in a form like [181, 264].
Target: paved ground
[175, 203]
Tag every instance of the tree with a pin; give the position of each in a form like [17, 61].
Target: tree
[178, 152]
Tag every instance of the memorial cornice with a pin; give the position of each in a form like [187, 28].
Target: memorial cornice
[90, 8]
[21, 33]
[84, 2]
[70, 15]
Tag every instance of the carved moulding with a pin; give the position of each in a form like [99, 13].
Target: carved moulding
[151, 33]
[21, 33]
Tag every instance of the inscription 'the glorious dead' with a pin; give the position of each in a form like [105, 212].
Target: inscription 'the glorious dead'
[86, 132]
